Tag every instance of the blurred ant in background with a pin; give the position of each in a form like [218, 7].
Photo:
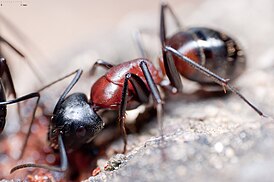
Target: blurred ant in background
[7, 86]
[6, 83]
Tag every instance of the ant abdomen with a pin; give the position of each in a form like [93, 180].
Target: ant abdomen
[212, 49]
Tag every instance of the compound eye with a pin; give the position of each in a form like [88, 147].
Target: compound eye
[81, 131]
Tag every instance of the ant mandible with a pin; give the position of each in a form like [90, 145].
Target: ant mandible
[201, 54]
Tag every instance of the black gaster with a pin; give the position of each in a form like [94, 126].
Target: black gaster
[222, 54]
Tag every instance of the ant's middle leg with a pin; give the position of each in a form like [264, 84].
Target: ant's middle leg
[143, 95]
[156, 96]
[100, 63]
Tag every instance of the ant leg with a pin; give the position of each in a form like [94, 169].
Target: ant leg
[29, 131]
[69, 87]
[60, 79]
[219, 80]
[22, 55]
[25, 97]
[165, 6]
[100, 63]
[8, 82]
[137, 36]
[7, 78]
[139, 87]
[142, 91]
[143, 95]
[170, 68]
[25, 42]
[122, 111]
[2, 39]
[156, 95]
[63, 158]
[64, 161]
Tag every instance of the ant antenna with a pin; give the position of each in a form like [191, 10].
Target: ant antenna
[38, 91]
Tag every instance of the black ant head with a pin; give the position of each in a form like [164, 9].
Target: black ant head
[76, 121]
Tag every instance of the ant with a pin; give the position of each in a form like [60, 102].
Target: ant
[75, 121]
[7, 86]
[127, 85]
[6, 83]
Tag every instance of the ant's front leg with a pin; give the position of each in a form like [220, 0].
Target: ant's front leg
[143, 95]
[25, 97]
[63, 159]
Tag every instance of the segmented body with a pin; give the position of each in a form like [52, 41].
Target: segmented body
[214, 50]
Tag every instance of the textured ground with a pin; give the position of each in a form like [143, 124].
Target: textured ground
[206, 139]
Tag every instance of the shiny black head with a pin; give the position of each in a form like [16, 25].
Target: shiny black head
[76, 121]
